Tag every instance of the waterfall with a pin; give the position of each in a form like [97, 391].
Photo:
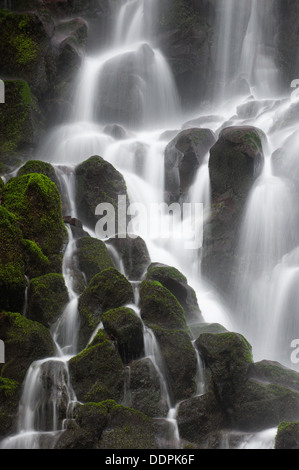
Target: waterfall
[130, 84]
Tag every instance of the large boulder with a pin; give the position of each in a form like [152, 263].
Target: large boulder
[145, 390]
[126, 328]
[107, 290]
[12, 270]
[287, 437]
[228, 356]
[198, 417]
[173, 280]
[134, 255]
[183, 156]
[235, 162]
[97, 181]
[25, 342]
[47, 298]
[36, 202]
[18, 121]
[159, 307]
[93, 257]
[43, 168]
[97, 373]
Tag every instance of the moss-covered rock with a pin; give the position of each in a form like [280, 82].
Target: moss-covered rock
[275, 373]
[107, 290]
[236, 160]
[10, 391]
[97, 373]
[97, 181]
[129, 429]
[200, 328]
[47, 297]
[26, 49]
[107, 425]
[93, 256]
[25, 342]
[12, 270]
[180, 362]
[134, 255]
[228, 355]
[173, 280]
[287, 437]
[36, 263]
[183, 156]
[124, 325]
[145, 391]
[260, 406]
[18, 124]
[198, 417]
[36, 202]
[43, 168]
[160, 308]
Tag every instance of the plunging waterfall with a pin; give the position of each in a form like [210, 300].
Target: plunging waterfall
[130, 86]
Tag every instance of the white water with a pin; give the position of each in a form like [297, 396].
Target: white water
[132, 82]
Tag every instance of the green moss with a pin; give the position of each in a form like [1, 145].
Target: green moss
[47, 297]
[35, 200]
[26, 50]
[162, 272]
[93, 257]
[159, 306]
[37, 166]
[107, 290]
[8, 387]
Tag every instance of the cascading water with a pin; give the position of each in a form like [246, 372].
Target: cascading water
[131, 84]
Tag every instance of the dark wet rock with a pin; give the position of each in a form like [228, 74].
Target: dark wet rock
[93, 257]
[107, 290]
[177, 284]
[116, 131]
[134, 255]
[198, 417]
[97, 182]
[123, 325]
[47, 298]
[183, 156]
[97, 373]
[146, 393]
[287, 437]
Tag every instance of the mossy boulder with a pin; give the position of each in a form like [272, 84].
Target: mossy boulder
[36, 202]
[129, 429]
[93, 257]
[18, 120]
[107, 290]
[107, 425]
[10, 392]
[180, 362]
[47, 297]
[145, 390]
[228, 356]
[236, 160]
[26, 49]
[173, 280]
[126, 328]
[25, 342]
[97, 373]
[200, 328]
[275, 373]
[199, 416]
[134, 255]
[260, 406]
[287, 437]
[183, 156]
[12, 269]
[43, 168]
[36, 263]
[97, 181]
[160, 308]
